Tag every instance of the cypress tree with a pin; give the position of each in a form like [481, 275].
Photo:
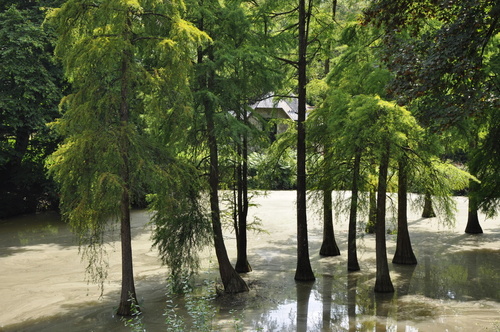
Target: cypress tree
[115, 54]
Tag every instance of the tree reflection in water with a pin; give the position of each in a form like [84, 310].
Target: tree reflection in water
[347, 302]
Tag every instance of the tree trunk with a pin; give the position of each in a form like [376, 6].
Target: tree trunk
[329, 246]
[128, 287]
[352, 257]
[383, 283]
[303, 271]
[242, 265]
[231, 280]
[404, 252]
[372, 213]
[473, 226]
[428, 208]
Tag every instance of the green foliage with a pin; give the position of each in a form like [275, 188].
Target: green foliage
[135, 321]
[120, 57]
[275, 168]
[29, 92]
[444, 58]
[440, 179]
[182, 224]
[198, 304]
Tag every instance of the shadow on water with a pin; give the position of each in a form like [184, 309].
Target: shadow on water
[98, 315]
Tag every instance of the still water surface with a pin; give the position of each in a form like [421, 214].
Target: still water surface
[455, 286]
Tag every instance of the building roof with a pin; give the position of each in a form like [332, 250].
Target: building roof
[289, 105]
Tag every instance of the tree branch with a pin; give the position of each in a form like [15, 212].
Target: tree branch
[287, 61]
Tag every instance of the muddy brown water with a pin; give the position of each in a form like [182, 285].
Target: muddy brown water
[454, 287]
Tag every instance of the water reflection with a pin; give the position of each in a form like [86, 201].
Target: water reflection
[337, 301]
[463, 276]
[347, 302]
[34, 229]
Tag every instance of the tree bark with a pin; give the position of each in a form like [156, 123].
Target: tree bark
[128, 293]
[473, 226]
[372, 212]
[242, 265]
[303, 271]
[352, 257]
[404, 252]
[428, 211]
[329, 246]
[383, 283]
[128, 287]
[232, 281]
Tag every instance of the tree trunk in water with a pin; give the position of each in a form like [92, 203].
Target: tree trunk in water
[231, 280]
[352, 256]
[242, 265]
[128, 287]
[372, 213]
[329, 246]
[428, 208]
[303, 271]
[404, 252]
[473, 226]
[383, 283]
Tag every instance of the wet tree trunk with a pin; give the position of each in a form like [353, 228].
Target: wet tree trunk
[242, 265]
[303, 271]
[383, 283]
[352, 256]
[329, 246]
[128, 287]
[428, 211]
[404, 252]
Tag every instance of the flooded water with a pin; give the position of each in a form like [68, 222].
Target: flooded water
[454, 287]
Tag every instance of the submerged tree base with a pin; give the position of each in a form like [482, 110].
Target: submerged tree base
[473, 226]
[243, 267]
[404, 260]
[235, 284]
[305, 276]
[329, 249]
[384, 286]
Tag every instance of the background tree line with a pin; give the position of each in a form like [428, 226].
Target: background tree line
[155, 112]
